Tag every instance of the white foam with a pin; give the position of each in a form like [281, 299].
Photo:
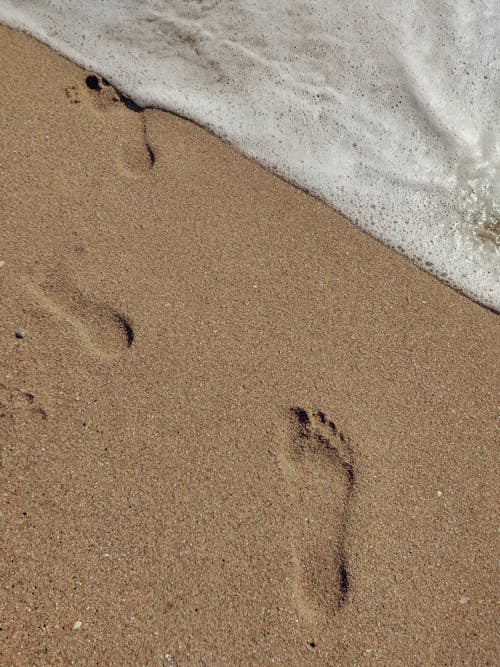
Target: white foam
[388, 110]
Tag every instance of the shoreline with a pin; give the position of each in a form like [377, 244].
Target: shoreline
[468, 278]
[230, 437]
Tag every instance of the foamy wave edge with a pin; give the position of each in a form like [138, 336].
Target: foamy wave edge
[386, 113]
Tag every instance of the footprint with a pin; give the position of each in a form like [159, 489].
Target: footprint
[318, 464]
[95, 91]
[138, 153]
[15, 402]
[104, 330]
[137, 156]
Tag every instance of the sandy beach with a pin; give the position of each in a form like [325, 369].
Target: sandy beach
[235, 429]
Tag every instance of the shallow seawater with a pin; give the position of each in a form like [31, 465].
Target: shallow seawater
[386, 110]
[479, 195]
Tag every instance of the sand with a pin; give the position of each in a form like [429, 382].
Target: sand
[238, 430]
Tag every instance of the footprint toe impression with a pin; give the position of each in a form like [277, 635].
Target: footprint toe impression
[321, 476]
[16, 404]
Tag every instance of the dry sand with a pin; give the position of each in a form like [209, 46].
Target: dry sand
[174, 491]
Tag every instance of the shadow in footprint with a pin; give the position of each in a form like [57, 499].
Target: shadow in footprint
[318, 464]
[104, 330]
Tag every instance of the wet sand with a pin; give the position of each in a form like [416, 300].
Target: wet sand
[238, 431]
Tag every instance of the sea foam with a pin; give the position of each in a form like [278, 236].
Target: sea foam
[387, 110]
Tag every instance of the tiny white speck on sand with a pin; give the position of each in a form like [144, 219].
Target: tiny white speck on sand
[77, 625]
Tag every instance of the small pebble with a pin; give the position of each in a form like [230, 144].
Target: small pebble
[1, 263]
[77, 625]
[21, 333]
[463, 600]
[440, 493]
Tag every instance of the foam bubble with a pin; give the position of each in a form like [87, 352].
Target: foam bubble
[387, 110]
